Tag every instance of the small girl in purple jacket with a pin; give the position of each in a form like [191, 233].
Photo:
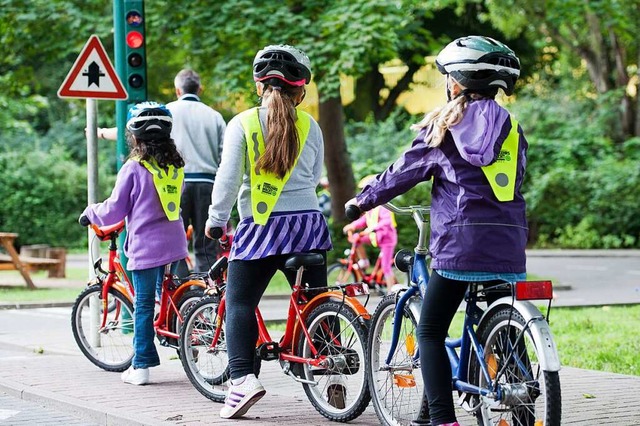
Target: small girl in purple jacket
[147, 193]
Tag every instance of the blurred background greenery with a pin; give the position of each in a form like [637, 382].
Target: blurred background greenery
[577, 100]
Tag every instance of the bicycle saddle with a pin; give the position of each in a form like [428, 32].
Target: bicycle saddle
[106, 232]
[304, 259]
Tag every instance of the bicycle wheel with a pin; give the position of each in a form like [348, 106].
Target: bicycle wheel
[340, 392]
[396, 388]
[207, 367]
[530, 396]
[109, 347]
[337, 273]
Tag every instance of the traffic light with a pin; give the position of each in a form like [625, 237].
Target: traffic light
[136, 59]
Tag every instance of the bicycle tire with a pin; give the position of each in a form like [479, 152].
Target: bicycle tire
[396, 389]
[207, 368]
[335, 403]
[114, 349]
[338, 273]
[535, 395]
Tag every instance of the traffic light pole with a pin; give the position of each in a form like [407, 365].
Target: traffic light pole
[121, 106]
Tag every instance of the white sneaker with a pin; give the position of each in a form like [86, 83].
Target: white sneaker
[135, 376]
[241, 396]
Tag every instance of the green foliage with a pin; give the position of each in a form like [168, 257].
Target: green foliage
[42, 196]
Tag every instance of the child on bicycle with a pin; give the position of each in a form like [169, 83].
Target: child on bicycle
[475, 152]
[380, 231]
[147, 193]
[272, 163]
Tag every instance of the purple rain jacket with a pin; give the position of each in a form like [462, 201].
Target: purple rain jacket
[470, 229]
[152, 240]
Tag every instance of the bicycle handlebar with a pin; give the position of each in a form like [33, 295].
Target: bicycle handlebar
[216, 232]
[352, 212]
[84, 221]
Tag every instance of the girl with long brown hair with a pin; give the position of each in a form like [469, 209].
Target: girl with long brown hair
[272, 163]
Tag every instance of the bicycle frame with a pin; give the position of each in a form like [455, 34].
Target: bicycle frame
[474, 315]
[168, 308]
[297, 314]
[350, 261]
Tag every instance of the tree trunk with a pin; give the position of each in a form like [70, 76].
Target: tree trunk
[336, 156]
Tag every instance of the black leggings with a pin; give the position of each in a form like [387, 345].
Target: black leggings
[246, 282]
[438, 308]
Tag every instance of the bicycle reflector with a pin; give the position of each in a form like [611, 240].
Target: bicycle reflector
[356, 289]
[534, 290]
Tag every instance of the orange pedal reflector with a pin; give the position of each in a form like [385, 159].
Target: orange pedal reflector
[404, 380]
[503, 422]
[538, 423]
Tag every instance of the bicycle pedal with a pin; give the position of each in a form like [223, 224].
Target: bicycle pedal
[268, 351]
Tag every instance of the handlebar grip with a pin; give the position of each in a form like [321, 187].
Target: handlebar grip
[84, 221]
[216, 232]
[352, 212]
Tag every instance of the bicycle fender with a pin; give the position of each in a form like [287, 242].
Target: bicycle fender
[122, 288]
[415, 306]
[336, 296]
[540, 330]
[184, 287]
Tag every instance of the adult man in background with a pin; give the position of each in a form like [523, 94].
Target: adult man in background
[198, 132]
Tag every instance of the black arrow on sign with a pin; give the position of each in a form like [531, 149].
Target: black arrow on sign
[94, 74]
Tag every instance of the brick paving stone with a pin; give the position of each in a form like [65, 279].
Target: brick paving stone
[15, 411]
[589, 397]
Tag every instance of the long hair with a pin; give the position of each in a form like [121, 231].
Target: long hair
[282, 142]
[443, 118]
[163, 150]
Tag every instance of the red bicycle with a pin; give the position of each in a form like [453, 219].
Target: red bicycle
[102, 315]
[322, 348]
[354, 268]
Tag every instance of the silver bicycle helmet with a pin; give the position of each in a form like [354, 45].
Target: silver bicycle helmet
[480, 63]
[282, 63]
[149, 120]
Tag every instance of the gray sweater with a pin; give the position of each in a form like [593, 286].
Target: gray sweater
[198, 131]
[233, 179]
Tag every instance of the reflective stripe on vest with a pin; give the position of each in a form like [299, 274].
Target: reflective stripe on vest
[266, 186]
[168, 186]
[502, 172]
[373, 217]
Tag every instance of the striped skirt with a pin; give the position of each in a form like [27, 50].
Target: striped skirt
[284, 233]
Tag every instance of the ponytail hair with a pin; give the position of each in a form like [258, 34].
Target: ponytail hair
[450, 114]
[282, 142]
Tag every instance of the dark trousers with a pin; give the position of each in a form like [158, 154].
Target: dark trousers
[246, 282]
[440, 304]
[194, 206]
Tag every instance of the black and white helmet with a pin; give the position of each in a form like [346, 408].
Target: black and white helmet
[284, 63]
[149, 120]
[480, 63]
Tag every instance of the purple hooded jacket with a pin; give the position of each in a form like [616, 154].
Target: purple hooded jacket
[152, 240]
[470, 229]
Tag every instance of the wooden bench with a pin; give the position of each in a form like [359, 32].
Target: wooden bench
[24, 264]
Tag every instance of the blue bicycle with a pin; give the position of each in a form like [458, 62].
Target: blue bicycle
[504, 366]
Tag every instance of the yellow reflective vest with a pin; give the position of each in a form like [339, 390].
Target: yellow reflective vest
[266, 187]
[168, 184]
[502, 172]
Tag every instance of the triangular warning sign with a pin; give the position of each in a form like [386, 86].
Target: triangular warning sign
[92, 75]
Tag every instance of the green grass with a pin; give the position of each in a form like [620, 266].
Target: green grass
[596, 338]
[15, 294]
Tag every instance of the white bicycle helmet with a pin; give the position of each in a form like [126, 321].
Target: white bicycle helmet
[282, 63]
[149, 120]
[480, 63]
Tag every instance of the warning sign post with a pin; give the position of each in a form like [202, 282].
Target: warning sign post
[92, 77]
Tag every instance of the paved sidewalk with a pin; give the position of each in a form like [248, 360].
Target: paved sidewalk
[70, 384]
